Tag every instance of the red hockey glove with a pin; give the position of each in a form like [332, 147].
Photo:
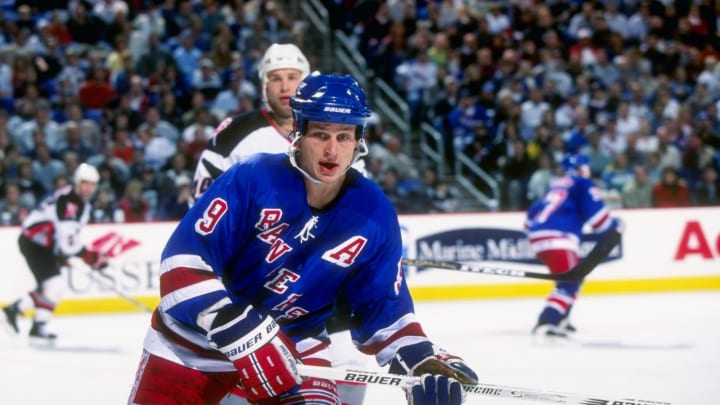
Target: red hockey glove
[264, 357]
[94, 259]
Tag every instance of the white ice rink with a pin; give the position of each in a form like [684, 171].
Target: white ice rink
[663, 347]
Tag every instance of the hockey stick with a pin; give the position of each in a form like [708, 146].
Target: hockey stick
[75, 263]
[495, 391]
[599, 252]
[138, 304]
[496, 271]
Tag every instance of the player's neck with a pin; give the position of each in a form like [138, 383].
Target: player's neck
[284, 125]
[320, 195]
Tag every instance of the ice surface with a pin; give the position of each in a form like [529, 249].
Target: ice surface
[663, 347]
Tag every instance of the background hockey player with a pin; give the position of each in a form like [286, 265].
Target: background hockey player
[554, 226]
[250, 275]
[51, 233]
[268, 130]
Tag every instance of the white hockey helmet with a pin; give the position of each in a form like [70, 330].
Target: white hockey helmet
[281, 56]
[86, 172]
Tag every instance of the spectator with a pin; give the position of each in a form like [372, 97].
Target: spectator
[89, 129]
[176, 204]
[134, 206]
[46, 167]
[110, 180]
[695, 157]
[167, 179]
[637, 192]
[671, 191]
[614, 179]
[531, 113]
[706, 191]
[41, 127]
[123, 145]
[156, 149]
[155, 124]
[416, 79]
[186, 55]
[516, 172]
[31, 190]
[441, 196]
[540, 179]
[202, 128]
[13, 208]
[153, 61]
[84, 26]
[670, 155]
[463, 119]
[393, 156]
[390, 185]
[96, 91]
[170, 109]
[104, 209]
[75, 141]
[206, 79]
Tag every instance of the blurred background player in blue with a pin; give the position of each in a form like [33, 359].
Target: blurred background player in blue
[250, 276]
[555, 225]
[51, 233]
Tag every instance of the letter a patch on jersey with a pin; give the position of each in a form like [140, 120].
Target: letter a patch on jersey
[345, 254]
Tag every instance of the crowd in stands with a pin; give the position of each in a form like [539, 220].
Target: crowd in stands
[137, 87]
[516, 85]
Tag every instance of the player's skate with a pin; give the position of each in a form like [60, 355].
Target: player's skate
[40, 336]
[566, 327]
[9, 319]
[548, 333]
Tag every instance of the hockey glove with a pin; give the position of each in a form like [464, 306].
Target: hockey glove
[435, 390]
[264, 357]
[424, 358]
[94, 259]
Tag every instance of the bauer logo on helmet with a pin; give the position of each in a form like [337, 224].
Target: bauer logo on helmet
[337, 110]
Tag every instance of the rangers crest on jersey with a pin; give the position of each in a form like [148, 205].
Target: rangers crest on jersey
[305, 234]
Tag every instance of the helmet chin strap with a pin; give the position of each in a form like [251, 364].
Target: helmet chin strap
[293, 150]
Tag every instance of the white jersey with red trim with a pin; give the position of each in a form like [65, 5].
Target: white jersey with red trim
[57, 221]
[236, 139]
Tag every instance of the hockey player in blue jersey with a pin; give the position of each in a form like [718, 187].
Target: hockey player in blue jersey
[554, 226]
[269, 130]
[250, 275]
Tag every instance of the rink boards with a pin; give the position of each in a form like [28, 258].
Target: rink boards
[663, 250]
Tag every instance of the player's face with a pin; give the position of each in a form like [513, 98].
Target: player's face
[327, 150]
[584, 171]
[281, 85]
[86, 189]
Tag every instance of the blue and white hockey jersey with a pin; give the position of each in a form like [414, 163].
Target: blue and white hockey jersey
[557, 220]
[252, 237]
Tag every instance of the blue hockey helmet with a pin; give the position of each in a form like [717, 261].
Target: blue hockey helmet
[331, 98]
[573, 162]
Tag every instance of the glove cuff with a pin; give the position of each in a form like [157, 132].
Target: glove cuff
[409, 357]
[238, 334]
[424, 357]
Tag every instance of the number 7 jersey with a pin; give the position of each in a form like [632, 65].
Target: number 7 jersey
[557, 220]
